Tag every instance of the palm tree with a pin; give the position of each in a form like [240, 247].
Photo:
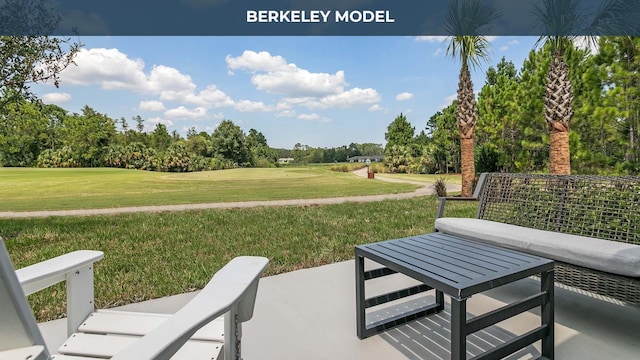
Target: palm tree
[465, 19]
[562, 21]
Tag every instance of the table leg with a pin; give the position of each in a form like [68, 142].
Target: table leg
[439, 301]
[360, 301]
[458, 329]
[547, 314]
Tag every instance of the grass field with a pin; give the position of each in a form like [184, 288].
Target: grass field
[24, 189]
[154, 255]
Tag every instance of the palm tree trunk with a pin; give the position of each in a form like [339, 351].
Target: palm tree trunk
[558, 113]
[466, 123]
[468, 166]
[559, 153]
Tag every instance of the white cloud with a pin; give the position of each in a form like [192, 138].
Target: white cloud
[309, 117]
[300, 83]
[404, 96]
[256, 61]
[182, 112]
[353, 97]
[273, 74]
[350, 98]
[210, 97]
[151, 105]
[114, 70]
[56, 98]
[376, 107]
[288, 103]
[448, 100]
[252, 106]
[108, 68]
[157, 120]
[508, 45]
[286, 113]
[313, 117]
[164, 78]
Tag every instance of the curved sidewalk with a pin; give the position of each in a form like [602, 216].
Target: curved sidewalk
[426, 189]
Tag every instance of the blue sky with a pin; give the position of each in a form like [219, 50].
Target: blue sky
[317, 91]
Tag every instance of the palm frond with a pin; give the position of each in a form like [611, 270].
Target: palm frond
[557, 20]
[615, 17]
[470, 17]
[465, 21]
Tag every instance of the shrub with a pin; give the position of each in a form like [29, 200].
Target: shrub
[347, 167]
[133, 156]
[261, 162]
[199, 163]
[59, 158]
[440, 187]
[176, 159]
[377, 168]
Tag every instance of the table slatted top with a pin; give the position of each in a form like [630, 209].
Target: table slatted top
[456, 266]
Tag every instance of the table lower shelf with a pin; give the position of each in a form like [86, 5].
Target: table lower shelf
[461, 327]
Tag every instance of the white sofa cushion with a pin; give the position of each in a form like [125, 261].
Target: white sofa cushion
[604, 255]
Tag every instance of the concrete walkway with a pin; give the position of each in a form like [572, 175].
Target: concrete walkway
[425, 189]
[310, 314]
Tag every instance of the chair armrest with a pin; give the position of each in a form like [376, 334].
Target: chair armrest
[452, 198]
[76, 268]
[40, 276]
[34, 352]
[232, 290]
[482, 179]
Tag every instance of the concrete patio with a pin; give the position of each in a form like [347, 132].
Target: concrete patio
[310, 314]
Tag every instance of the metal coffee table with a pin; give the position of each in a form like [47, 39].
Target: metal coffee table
[459, 268]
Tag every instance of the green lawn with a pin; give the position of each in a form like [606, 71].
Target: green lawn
[159, 254]
[24, 189]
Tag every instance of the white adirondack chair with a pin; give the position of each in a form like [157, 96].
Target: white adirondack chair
[197, 331]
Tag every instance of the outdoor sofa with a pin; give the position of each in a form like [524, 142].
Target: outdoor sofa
[590, 226]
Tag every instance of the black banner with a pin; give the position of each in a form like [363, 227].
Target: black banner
[320, 17]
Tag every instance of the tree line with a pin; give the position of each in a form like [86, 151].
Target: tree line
[33, 134]
[305, 154]
[512, 134]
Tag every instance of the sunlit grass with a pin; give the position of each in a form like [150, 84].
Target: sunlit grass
[26, 189]
[158, 254]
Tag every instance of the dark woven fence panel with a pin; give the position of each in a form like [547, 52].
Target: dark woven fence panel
[604, 207]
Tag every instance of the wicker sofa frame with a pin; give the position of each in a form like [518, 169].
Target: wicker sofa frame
[604, 207]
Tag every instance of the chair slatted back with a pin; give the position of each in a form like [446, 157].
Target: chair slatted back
[18, 326]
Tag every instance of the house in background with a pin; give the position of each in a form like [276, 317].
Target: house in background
[361, 159]
[285, 160]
